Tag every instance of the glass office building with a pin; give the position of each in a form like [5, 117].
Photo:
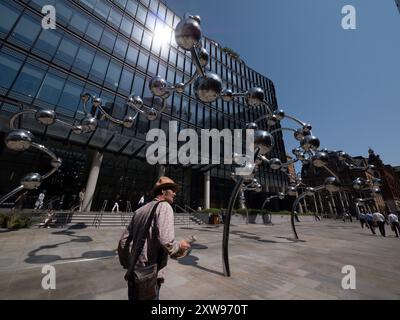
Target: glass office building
[112, 49]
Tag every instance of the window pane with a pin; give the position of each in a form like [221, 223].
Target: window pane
[79, 21]
[152, 66]
[51, 88]
[126, 80]
[132, 55]
[9, 67]
[71, 96]
[84, 59]
[89, 3]
[67, 50]
[8, 16]
[99, 66]
[27, 30]
[141, 14]
[63, 11]
[120, 47]
[142, 61]
[126, 26]
[113, 73]
[115, 17]
[102, 9]
[108, 40]
[48, 41]
[146, 42]
[150, 21]
[94, 31]
[29, 80]
[131, 7]
[137, 33]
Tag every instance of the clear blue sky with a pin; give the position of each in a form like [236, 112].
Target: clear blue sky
[344, 82]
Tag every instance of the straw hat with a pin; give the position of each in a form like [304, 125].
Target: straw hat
[165, 183]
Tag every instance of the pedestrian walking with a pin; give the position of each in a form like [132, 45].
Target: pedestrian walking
[370, 222]
[394, 223]
[379, 219]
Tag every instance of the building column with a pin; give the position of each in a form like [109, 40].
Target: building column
[341, 202]
[333, 204]
[330, 207]
[321, 204]
[92, 181]
[207, 188]
[315, 204]
[305, 205]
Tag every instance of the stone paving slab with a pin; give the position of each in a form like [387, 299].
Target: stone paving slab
[266, 263]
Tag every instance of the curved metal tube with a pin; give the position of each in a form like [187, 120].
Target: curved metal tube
[269, 107]
[195, 59]
[15, 116]
[264, 204]
[109, 117]
[11, 193]
[295, 204]
[295, 119]
[282, 129]
[227, 222]
[331, 172]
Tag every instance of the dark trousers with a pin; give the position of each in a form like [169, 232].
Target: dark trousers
[362, 221]
[130, 290]
[396, 228]
[317, 218]
[371, 226]
[381, 226]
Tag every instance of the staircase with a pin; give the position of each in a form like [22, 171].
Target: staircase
[108, 219]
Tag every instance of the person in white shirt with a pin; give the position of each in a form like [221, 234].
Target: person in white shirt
[379, 218]
[39, 201]
[394, 223]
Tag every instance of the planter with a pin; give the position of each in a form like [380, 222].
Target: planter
[214, 219]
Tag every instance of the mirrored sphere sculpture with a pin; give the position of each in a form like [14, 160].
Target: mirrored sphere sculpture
[188, 33]
[31, 181]
[208, 88]
[19, 140]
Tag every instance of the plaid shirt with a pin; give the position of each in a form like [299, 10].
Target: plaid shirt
[160, 241]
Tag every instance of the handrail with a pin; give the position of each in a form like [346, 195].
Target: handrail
[190, 209]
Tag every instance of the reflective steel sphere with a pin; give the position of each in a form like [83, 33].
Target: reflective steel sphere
[89, 124]
[320, 159]
[197, 18]
[85, 97]
[252, 125]
[371, 168]
[128, 122]
[310, 191]
[342, 156]
[77, 129]
[292, 191]
[249, 167]
[56, 163]
[375, 190]
[96, 102]
[281, 195]
[255, 97]
[236, 158]
[152, 114]
[272, 120]
[296, 151]
[279, 114]
[208, 88]
[307, 127]
[301, 156]
[46, 117]
[134, 102]
[227, 95]
[19, 140]
[275, 164]
[203, 57]
[332, 184]
[158, 86]
[258, 187]
[188, 33]
[264, 141]
[298, 134]
[310, 143]
[31, 181]
[180, 87]
[359, 184]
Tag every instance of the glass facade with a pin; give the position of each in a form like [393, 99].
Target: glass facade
[112, 49]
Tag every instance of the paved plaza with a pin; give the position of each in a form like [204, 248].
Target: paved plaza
[266, 263]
